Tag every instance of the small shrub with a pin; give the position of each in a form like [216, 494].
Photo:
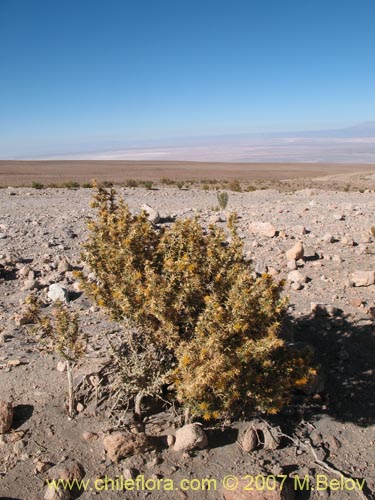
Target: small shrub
[70, 184]
[167, 181]
[235, 186]
[180, 185]
[347, 188]
[147, 184]
[198, 306]
[87, 185]
[37, 185]
[131, 183]
[60, 333]
[222, 199]
[250, 188]
[372, 229]
[205, 187]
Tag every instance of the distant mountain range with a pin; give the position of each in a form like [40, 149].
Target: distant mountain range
[354, 144]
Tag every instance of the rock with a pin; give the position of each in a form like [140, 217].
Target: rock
[58, 292]
[124, 444]
[339, 217]
[55, 493]
[296, 277]
[336, 258]
[89, 436]
[263, 229]
[296, 286]
[356, 302]
[6, 416]
[299, 230]
[30, 284]
[291, 264]
[67, 471]
[61, 366]
[23, 319]
[170, 440]
[363, 278]
[324, 309]
[243, 493]
[261, 267]
[152, 214]
[130, 473]
[347, 241]
[190, 436]
[250, 440]
[328, 238]
[64, 266]
[295, 252]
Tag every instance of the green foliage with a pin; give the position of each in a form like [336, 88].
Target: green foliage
[37, 185]
[222, 199]
[147, 184]
[70, 184]
[198, 306]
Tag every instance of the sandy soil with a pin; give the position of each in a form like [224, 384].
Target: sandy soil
[16, 173]
[39, 227]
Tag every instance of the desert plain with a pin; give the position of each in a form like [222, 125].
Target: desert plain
[329, 429]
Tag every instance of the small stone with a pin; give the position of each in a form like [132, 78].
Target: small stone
[68, 470]
[250, 440]
[328, 238]
[61, 366]
[64, 266]
[124, 444]
[356, 302]
[347, 241]
[323, 309]
[339, 217]
[23, 319]
[6, 416]
[296, 252]
[296, 277]
[263, 229]
[130, 473]
[89, 436]
[363, 278]
[261, 267]
[58, 292]
[79, 407]
[291, 264]
[170, 440]
[189, 437]
[152, 214]
[299, 230]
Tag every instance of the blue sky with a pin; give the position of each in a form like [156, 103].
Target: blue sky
[83, 73]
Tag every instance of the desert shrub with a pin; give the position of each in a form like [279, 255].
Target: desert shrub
[205, 187]
[180, 185]
[59, 333]
[222, 199]
[87, 185]
[250, 188]
[198, 305]
[235, 185]
[131, 183]
[147, 184]
[70, 184]
[167, 181]
[37, 185]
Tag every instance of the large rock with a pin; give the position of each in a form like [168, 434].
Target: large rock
[363, 278]
[125, 444]
[6, 416]
[152, 214]
[263, 229]
[58, 292]
[190, 436]
[295, 252]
